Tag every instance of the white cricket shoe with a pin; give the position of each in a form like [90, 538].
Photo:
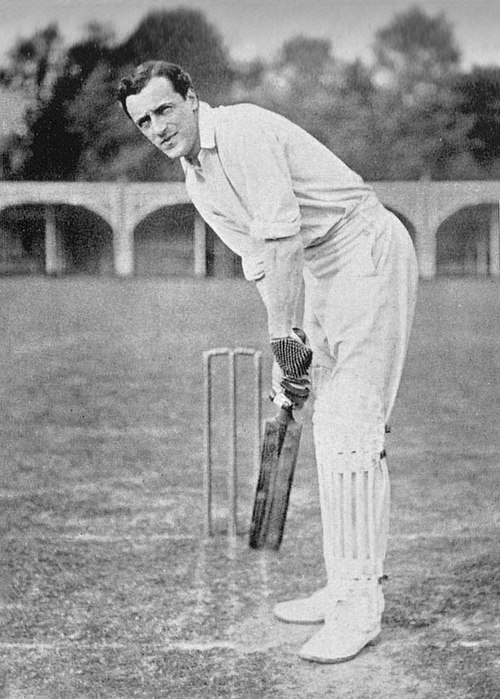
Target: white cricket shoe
[306, 610]
[350, 625]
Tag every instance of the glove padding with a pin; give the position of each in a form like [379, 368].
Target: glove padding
[292, 355]
[290, 382]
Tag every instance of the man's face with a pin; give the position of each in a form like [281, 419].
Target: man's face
[168, 120]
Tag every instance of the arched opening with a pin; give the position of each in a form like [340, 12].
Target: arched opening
[221, 261]
[464, 241]
[164, 246]
[87, 240]
[22, 240]
[54, 239]
[163, 242]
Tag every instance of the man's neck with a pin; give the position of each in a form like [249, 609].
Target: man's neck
[193, 156]
[194, 160]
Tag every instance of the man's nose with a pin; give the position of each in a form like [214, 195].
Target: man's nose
[158, 124]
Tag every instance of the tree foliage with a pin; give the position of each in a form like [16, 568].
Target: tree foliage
[412, 114]
[185, 37]
[34, 63]
[416, 51]
[53, 77]
[74, 128]
[417, 60]
[479, 98]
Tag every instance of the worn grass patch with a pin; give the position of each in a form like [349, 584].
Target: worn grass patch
[471, 587]
[108, 588]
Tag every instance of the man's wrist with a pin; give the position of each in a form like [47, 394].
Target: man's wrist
[279, 332]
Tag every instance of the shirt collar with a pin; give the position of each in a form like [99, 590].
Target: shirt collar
[206, 128]
[206, 125]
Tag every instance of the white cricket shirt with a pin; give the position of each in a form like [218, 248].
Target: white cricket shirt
[261, 176]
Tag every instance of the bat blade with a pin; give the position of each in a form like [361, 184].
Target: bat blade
[280, 448]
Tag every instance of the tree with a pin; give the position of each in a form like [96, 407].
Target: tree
[416, 53]
[113, 147]
[298, 84]
[34, 63]
[424, 141]
[53, 76]
[417, 61]
[184, 37]
[32, 69]
[306, 55]
[479, 99]
[74, 126]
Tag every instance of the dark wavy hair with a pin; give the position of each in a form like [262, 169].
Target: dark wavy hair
[136, 81]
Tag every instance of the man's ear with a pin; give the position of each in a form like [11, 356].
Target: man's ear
[192, 98]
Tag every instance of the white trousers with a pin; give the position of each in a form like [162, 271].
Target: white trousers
[360, 290]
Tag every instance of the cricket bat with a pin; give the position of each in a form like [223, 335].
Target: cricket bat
[280, 448]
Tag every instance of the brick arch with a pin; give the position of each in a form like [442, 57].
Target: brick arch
[54, 238]
[123, 205]
[163, 245]
[143, 199]
[96, 197]
[445, 198]
[101, 212]
[452, 208]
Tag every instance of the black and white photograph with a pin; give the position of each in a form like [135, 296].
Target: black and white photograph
[250, 342]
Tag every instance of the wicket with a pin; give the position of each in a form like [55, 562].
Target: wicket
[232, 465]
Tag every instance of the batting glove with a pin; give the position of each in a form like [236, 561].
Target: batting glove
[292, 361]
[292, 354]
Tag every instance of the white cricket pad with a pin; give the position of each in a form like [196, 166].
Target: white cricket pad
[349, 436]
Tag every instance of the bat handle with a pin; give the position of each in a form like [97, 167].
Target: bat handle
[285, 414]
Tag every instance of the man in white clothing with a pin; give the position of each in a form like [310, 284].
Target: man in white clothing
[296, 214]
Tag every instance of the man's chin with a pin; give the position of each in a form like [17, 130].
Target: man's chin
[169, 152]
[173, 153]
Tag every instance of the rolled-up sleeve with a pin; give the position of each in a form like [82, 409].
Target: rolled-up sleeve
[254, 150]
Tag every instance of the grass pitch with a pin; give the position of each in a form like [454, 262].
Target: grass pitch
[108, 588]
